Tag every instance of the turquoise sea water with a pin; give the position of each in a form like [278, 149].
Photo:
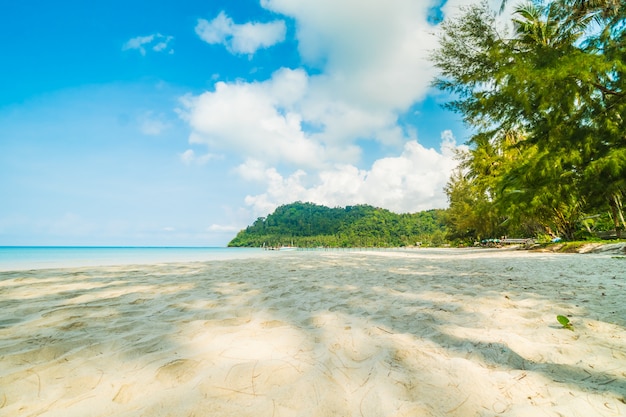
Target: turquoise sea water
[40, 257]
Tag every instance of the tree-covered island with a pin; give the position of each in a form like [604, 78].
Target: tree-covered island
[311, 225]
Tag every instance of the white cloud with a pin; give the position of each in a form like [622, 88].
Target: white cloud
[371, 52]
[244, 38]
[189, 157]
[280, 190]
[256, 120]
[410, 182]
[156, 42]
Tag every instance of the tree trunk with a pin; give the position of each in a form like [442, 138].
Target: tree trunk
[616, 213]
[565, 227]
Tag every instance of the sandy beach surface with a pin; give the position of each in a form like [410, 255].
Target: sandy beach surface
[406, 333]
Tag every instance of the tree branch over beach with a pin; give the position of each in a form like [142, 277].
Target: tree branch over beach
[546, 105]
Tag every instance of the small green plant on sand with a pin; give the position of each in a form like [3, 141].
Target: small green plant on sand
[565, 322]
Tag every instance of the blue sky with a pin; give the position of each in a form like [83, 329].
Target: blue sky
[179, 123]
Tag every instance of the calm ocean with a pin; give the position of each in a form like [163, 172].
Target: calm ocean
[40, 257]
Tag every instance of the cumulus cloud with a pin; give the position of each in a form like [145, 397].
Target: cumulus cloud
[256, 120]
[155, 42]
[371, 52]
[244, 38]
[409, 182]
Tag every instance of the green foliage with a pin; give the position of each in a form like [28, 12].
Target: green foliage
[547, 105]
[312, 225]
[565, 322]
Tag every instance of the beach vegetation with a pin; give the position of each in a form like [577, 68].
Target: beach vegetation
[564, 322]
[545, 101]
[312, 225]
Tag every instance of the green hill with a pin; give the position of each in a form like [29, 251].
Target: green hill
[312, 225]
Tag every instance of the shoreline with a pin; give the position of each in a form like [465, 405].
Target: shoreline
[387, 333]
[12, 260]
[55, 257]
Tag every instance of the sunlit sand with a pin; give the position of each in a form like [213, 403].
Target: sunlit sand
[407, 333]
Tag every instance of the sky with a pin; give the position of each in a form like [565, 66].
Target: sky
[161, 123]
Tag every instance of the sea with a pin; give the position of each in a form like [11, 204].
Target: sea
[17, 258]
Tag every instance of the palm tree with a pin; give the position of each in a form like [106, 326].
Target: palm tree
[598, 9]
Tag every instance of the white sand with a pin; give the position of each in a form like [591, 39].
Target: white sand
[421, 333]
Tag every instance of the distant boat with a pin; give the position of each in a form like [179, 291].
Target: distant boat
[287, 248]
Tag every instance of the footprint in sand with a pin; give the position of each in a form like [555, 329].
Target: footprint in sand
[271, 324]
[124, 394]
[77, 325]
[177, 372]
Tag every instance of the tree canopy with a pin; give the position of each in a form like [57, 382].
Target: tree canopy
[546, 102]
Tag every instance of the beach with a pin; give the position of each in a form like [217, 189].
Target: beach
[361, 333]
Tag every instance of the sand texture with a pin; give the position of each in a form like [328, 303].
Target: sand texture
[414, 333]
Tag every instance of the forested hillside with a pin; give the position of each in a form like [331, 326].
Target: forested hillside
[312, 225]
